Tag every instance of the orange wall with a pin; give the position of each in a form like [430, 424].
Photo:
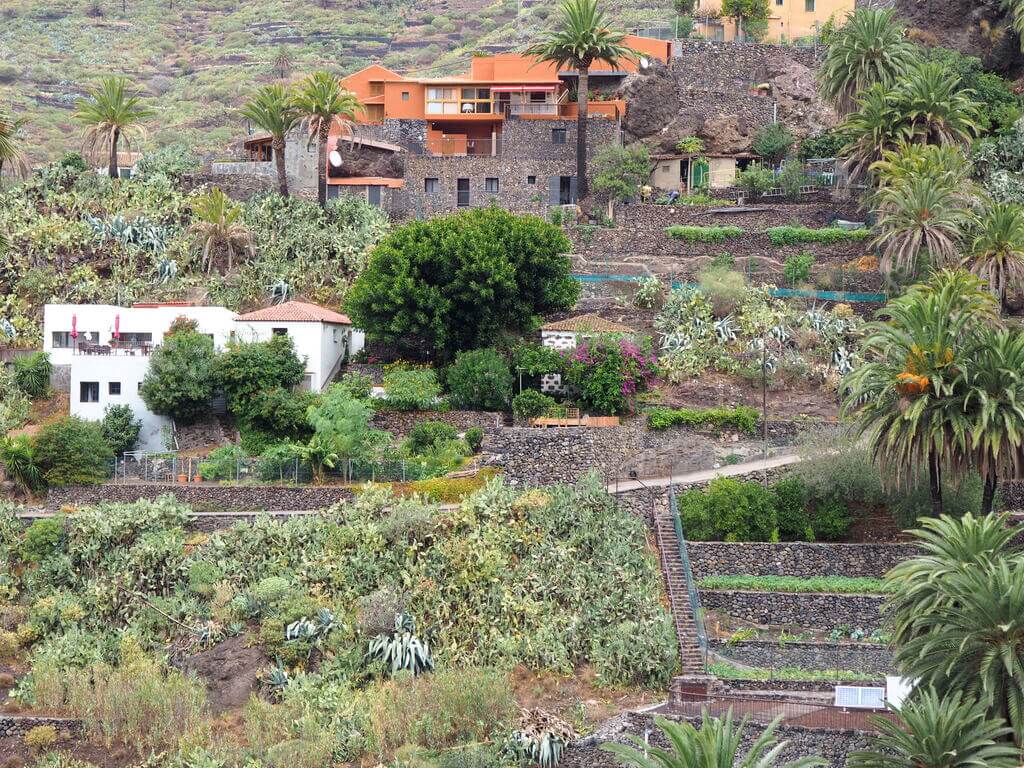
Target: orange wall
[395, 106]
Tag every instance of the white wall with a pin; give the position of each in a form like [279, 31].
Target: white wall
[129, 372]
[320, 345]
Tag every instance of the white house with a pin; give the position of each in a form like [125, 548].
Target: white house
[564, 335]
[100, 352]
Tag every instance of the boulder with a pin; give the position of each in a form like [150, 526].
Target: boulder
[654, 102]
[727, 134]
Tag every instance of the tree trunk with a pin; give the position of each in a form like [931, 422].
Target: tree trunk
[989, 494]
[112, 166]
[582, 95]
[321, 174]
[935, 482]
[277, 145]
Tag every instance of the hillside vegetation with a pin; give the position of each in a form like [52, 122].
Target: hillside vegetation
[198, 58]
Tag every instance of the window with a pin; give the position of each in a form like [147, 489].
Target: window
[558, 135]
[333, 191]
[373, 194]
[475, 101]
[531, 179]
[63, 340]
[462, 193]
[442, 101]
[538, 97]
[780, 2]
[405, 95]
[114, 388]
[490, 184]
[89, 392]
[809, 6]
[279, 331]
[431, 186]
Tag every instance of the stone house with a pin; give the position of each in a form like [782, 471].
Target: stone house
[565, 335]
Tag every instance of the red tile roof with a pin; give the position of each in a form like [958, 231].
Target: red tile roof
[295, 312]
[591, 323]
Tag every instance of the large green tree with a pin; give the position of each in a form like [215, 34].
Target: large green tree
[581, 36]
[258, 378]
[179, 382]
[457, 282]
[871, 47]
[72, 451]
[273, 110]
[111, 112]
[322, 105]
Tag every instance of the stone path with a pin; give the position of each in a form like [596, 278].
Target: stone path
[704, 475]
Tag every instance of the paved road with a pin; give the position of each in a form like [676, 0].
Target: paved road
[703, 475]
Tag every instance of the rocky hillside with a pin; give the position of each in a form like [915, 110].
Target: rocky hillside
[196, 58]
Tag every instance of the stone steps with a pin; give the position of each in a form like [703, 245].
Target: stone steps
[679, 600]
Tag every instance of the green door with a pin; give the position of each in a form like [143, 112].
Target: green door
[700, 174]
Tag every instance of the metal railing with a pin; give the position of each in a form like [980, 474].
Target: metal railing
[462, 146]
[691, 585]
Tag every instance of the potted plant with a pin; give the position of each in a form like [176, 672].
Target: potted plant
[182, 477]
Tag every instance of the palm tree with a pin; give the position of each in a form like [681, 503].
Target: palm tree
[19, 464]
[715, 745]
[875, 128]
[581, 37]
[942, 164]
[10, 149]
[915, 217]
[1016, 10]
[323, 104]
[990, 405]
[948, 546]
[952, 731]
[283, 61]
[272, 109]
[870, 48]
[111, 113]
[996, 253]
[973, 641]
[939, 110]
[218, 223]
[898, 397]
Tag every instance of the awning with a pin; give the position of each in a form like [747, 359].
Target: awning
[520, 88]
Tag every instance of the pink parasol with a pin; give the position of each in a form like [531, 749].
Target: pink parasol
[117, 326]
[74, 326]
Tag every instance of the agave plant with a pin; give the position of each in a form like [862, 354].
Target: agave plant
[313, 631]
[277, 678]
[402, 650]
[166, 270]
[842, 360]
[280, 291]
[676, 342]
[725, 329]
[7, 328]
[540, 739]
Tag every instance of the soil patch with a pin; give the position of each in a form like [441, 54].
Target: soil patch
[802, 400]
[14, 753]
[231, 671]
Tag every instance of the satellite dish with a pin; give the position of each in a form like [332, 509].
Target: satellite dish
[645, 63]
[335, 158]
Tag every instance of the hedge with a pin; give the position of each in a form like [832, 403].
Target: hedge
[742, 418]
[827, 235]
[703, 234]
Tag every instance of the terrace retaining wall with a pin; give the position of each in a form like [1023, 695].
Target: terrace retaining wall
[817, 610]
[18, 726]
[202, 498]
[795, 558]
[857, 657]
[402, 422]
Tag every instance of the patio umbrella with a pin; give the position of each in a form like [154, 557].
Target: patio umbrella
[117, 326]
[74, 326]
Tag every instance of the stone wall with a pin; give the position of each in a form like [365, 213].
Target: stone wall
[561, 454]
[857, 657]
[755, 216]
[17, 726]
[795, 558]
[400, 423]
[725, 67]
[238, 186]
[812, 610]
[202, 497]
[832, 745]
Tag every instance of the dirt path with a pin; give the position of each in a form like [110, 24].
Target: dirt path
[704, 475]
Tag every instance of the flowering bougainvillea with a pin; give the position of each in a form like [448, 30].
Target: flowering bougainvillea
[606, 375]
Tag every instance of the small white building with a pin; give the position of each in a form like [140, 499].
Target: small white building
[100, 352]
[565, 335]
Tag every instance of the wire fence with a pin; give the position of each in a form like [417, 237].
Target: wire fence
[813, 713]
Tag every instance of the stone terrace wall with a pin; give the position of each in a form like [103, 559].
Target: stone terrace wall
[706, 64]
[710, 558]
[817, 610]
[561, 454]
[239, 186]
[402, 422]
[204, 497]
[831, 745]
[860, 657]
[16, 726]
[647, 216]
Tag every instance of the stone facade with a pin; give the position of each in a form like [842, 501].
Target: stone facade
[796, 558]
[699, 63]
[537, 456]
[400, 423]
[237, 186]
[791, 609]
[213, 498]
[859, 657]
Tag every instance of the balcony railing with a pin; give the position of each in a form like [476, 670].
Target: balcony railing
[462, 146]
[532, 109]
[114, 348]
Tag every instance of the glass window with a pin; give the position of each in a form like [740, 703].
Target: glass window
[431, 186]
[89, 392]
[490, 184]
[558, 136]
[538, 97]
[405, 95]
[809, 6]
[531, 179]
[114, 388]
[279, 331]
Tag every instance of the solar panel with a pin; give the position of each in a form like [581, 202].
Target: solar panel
[860, 697]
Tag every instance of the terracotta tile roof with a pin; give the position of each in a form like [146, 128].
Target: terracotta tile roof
[584, 323]
[295, 312]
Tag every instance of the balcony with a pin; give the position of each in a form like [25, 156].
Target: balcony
[462, 146]
[115, 348]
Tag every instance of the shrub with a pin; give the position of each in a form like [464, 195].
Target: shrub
[696, 234]
[180, 379]
[606, 375]
[342, 423]
[448, 490]
[222, 463]
[277, 462]
[530, 404]
[72, 451]
[821, 145]
[789, 235]
[32, 374]
[725, 287]
[630, 653]
[755, 180]
[479, 379]
[14, 404]
[41, 539]
[649, 293]
[19, 463]
[258, 379]
[446, 709]
[474, 439]
[741, 418]
[797, 268]
[120, 428]
[40, 738]
[532, 359]
[411, 388]
[9, 644]
[791, 509]
[831, 520]
[428, 435]
[357, 385]
[773, 142]
[729, 510]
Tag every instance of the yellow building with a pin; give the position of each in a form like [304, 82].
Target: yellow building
[789, 19]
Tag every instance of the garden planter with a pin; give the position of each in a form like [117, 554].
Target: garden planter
[197, 479]
[182, 478]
